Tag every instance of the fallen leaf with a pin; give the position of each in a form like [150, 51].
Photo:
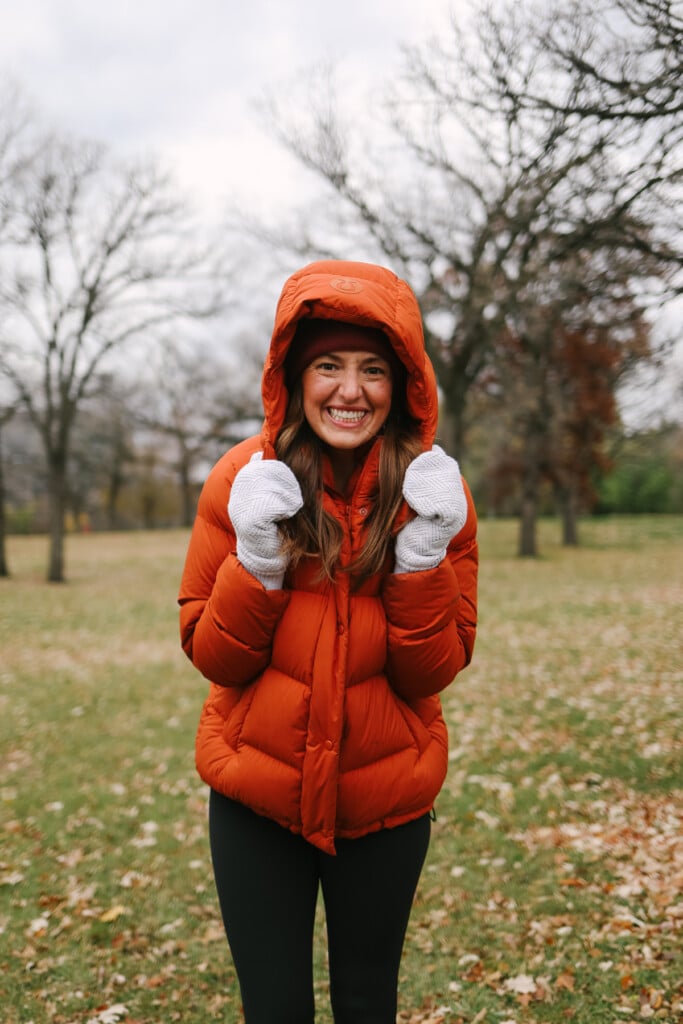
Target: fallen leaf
[524, 984]
[112, 914]
[110, 1015]
[38, 927]
[11, 878]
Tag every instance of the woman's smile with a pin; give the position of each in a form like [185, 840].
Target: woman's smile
[347, 416]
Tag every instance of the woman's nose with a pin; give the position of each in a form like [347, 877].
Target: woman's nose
[349, 384]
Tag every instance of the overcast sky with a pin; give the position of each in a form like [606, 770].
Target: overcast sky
[179, 77]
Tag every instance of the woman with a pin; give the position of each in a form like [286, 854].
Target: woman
[329, 594]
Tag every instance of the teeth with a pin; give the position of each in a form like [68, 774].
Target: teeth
[347, 415]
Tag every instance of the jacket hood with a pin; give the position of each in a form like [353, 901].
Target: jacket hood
[358, 293]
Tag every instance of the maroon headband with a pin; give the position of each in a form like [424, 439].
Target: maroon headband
[315, 338]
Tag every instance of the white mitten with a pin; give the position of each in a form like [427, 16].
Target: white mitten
[264, 492]
[432, 487]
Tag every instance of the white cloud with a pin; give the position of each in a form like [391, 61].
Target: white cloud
[179, 77]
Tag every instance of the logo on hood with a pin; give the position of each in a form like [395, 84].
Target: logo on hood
[346, 284]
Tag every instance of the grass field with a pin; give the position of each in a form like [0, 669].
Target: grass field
[553, 889]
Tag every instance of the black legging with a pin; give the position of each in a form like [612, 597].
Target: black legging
[267, 881]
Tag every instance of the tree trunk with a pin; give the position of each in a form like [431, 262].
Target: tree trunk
[187, 496]
[528, 547]
[451, 429]
[4, 567]
[452, 417]
[57, 502]
[569, 514]
[149, 510]
[527, 528]
[112, 500]
[114, 487]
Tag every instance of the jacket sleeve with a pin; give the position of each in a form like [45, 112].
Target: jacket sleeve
[227, 618]
[432, 618]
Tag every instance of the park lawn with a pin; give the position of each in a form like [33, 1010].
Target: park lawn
[553, 889]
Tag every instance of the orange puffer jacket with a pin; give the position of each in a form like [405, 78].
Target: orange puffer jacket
[323, 710]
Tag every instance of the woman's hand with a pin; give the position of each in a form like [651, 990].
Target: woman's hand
[433, 488]
[264, 492]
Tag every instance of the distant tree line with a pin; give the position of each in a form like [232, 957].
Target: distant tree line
[130, 470]
[524, 174]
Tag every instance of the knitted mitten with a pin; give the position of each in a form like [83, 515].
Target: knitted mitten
[433, 488]
[264, 492]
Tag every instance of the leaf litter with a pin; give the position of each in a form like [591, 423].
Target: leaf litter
[553, 887]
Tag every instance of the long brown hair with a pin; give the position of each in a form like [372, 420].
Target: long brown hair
[315, 532]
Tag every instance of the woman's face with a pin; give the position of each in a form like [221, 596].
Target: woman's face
[347, 397]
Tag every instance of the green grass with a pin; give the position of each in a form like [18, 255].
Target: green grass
[553, 887]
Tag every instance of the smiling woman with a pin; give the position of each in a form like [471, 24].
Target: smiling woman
[329, 595]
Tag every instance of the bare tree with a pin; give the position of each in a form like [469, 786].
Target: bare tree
[105, 253]
[625, 55]
[102, 452]
[115, 432]
[17, 150]
[16, 154]
[194, 403]
[488, 200]
[617, 66]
